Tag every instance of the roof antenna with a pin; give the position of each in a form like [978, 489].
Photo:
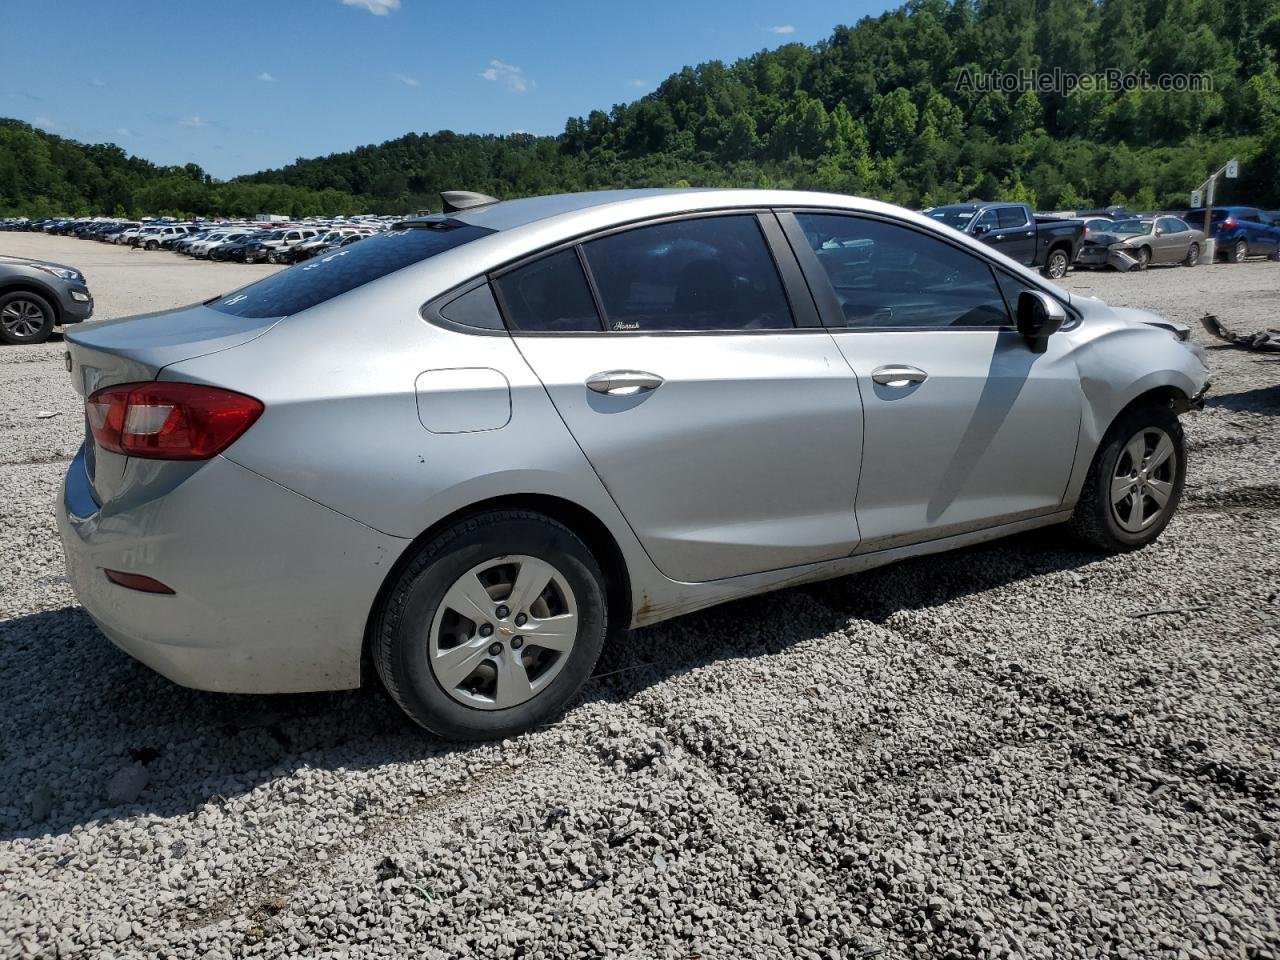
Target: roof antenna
[457, 200]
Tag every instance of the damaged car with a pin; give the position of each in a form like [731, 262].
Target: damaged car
[1138, 243]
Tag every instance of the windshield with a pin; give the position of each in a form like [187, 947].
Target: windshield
[1132, 227]
[326, 277]
[957, 217]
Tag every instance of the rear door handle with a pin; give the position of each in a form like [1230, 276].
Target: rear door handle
[898, 375]
[623, 383]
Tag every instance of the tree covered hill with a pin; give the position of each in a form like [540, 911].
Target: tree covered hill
[878, 109]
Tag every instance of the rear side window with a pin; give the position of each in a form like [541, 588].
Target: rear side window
[1011, 217]
[324, 278]
[549, 295]
[699, 275]
[890, 276]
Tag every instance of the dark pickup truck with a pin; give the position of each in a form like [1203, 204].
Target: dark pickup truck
[1014, 230]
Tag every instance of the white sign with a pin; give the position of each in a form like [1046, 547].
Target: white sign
[1196, 199]
[1233, 169]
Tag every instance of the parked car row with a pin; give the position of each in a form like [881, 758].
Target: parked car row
[1117, 238]
[240, 241]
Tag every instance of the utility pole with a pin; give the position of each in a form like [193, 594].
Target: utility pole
[1232, 170]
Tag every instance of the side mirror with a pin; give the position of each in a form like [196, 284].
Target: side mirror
[1039, 317]
[980, 229]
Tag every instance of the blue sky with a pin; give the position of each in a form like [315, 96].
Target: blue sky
[242, 85]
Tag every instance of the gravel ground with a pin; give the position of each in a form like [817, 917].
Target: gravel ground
[1020, 750]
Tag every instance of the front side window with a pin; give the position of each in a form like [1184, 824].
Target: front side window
[324, 278]
[549, 295]
[700, 275]
[885, 275]
[1171, 225]
[988, 221]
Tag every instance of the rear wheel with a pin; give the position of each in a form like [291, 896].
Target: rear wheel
[1193, 255]
[1239, 252]
[152, 245]
[1055, 267]
[493, 626]
[1135, 480]
[25, 318]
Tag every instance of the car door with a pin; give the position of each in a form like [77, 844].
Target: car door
[1170, 240]
[1017, 233]
[964, 426]
[715, 409]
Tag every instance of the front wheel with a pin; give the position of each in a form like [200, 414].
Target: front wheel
[1055, 267]
[1135, 481]
[1193, 255]
[152, 245]
[1144, 258]
[493, 626]
[25, 318]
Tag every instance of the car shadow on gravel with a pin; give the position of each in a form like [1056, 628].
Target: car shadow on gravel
[1265, 400]
[83, 713]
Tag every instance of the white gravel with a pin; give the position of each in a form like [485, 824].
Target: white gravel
[988, 754]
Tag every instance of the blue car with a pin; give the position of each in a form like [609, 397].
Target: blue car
[1241, 232]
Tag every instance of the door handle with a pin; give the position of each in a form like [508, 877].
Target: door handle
[898, 375]
[623, 383]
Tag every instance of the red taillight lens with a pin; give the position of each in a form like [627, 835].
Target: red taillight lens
[169, 421]
[136, 581]
[1229, 224]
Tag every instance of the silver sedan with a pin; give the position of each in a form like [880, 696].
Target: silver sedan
[470, 450]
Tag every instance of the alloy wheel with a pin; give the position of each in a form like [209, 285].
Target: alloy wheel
[1240, 251]
[22, 318]
[1057, 265]
[1143, 481]
[503, 632]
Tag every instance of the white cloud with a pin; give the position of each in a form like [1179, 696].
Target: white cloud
[784, 28]
[638, 84]
[95, 82]
[194, 122]
[123, 132]
[407, 80]
[379, 8]
[512, 78]
[266, 77]
[46, 123]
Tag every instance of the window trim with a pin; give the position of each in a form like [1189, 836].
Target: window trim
[828, 303]
[795, 300]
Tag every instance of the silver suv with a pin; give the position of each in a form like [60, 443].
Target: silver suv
[464, 450]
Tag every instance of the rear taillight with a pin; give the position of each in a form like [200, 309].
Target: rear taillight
[1229, 224]
[169, 421]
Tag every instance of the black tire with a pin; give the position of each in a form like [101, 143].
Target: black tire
[1144, 258]
[1239, 251]
[272, 257]
[1093, 520]
[152, 245]
[1056, 264]
[401, 656]
[1193, 255]
[22, 303]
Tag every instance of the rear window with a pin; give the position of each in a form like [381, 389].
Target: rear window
[296, 289]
